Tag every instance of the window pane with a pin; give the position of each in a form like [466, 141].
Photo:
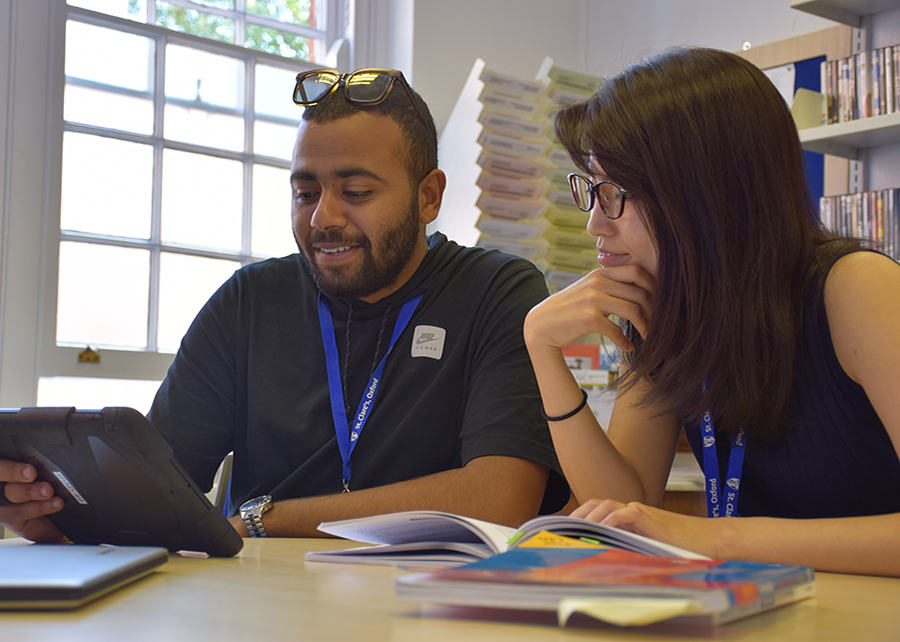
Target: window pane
[103, 295]
[131, 9]
[113, 91]
[90, 393]
[204, 98]
[185, 284]
[301, 12]
[106, 186]
[277, 117]
[202, 200]
[271, 233]
[219, 4]
[274, 94]
[199, 23]
[280, 43]
[273, 139]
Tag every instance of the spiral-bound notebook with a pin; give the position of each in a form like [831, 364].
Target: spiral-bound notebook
[66, 576]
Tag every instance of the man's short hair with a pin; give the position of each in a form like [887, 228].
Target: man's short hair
[421, 137]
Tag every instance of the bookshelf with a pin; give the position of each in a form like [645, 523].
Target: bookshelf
[853, 140]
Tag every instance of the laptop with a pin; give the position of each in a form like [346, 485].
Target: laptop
[66, 576]
[118, 479]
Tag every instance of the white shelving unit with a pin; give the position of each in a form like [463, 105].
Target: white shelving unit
[855, 140]
[848, 12]
[847, 139]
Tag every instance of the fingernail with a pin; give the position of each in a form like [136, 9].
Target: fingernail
[56, 503]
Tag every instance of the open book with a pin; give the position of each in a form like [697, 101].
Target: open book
[433, 539]
[615, 586]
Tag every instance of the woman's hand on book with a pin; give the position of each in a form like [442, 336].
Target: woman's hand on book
[585, 307]
[25, 503]
[697, 534]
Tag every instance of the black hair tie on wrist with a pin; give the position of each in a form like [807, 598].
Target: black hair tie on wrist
[570, 414]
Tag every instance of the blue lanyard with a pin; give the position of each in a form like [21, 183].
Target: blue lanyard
[347, 438]
[714, 488]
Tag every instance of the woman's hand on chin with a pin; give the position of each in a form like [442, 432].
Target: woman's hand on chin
[585, 307]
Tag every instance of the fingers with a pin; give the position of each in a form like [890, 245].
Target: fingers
[597, 510]
[18, 493]
[30, 520]
[585, 307]
[15, 471]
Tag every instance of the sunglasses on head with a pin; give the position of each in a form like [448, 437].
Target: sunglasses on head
[361, 87]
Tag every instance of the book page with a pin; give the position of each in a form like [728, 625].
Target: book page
[420, 526]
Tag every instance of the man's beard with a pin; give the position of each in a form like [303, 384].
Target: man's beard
[379, 268]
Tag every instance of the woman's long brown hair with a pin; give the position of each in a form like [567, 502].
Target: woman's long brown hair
[707, 147]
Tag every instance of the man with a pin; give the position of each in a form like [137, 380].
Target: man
[377, 360]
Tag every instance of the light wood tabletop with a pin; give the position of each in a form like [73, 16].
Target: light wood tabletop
[269, 593]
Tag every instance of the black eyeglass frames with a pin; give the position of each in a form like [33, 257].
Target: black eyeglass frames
[361, 87]
[608, 195]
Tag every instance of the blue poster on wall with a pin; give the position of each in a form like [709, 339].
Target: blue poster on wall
[808, 76]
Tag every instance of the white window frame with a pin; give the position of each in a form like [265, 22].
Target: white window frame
[142, 364]
[363, 33]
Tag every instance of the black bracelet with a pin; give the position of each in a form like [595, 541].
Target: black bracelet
[570, 414]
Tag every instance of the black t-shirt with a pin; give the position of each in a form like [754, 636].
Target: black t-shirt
[250, 377]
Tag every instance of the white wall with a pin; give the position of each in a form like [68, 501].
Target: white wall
[592, 36]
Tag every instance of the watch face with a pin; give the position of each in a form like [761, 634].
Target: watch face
[256, 502]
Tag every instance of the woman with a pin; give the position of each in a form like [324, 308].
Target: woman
[734, 302]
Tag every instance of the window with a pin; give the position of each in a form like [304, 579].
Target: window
[175, 150]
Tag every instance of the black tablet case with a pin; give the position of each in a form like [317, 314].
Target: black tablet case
[118, 480]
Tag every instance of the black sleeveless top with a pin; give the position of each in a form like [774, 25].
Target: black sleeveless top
[835, 458]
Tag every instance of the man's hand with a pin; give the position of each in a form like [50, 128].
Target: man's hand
[25, 503]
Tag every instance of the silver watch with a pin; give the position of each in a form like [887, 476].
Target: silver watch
[252, 511]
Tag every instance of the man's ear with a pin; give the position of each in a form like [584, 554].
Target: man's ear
[431, 192]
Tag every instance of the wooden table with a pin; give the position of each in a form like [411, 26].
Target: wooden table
[268, 593]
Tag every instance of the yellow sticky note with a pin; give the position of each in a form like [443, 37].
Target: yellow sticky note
[546, 539]
[626, 611]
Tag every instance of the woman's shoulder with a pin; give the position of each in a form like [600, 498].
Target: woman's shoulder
[860, 272]
[862, 304]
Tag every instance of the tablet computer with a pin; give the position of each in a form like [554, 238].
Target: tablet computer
[118, 479]
[66, 576]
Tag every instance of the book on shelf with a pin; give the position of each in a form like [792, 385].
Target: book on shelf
[514, 107]
[519, 148]
[870, 215]
[515, 127]
[427, 538]
[534, 251]
[568, 79]
[511, 230]
[512, 86]
[511, 208]
[621, 587]
[862, 86]
[497, 185]
[512, 167]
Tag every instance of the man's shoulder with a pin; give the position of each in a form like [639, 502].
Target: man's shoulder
[459, 257]
[271, 273]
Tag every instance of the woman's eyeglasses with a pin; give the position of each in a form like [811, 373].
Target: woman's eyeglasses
[608, 195]
[361, 87]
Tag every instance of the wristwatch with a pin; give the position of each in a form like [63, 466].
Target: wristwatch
[252, 511]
